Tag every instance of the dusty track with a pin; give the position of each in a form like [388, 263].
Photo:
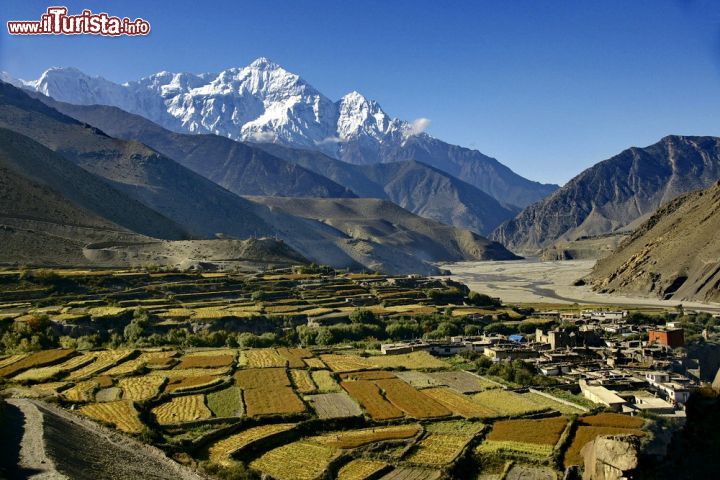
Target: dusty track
[52, 444]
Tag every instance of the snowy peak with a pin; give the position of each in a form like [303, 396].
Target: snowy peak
[358, 116]
[261, 102]
[264, 63]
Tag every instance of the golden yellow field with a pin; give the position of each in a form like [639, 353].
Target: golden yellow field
[411, 361]
[9, 360]
[205, 361]
[295, 461]
[43, 374]
[182, 409]
[438, 449]
[365, 436]
[131, 367]
[81, 391]
[302, 381]
[141, 388]
[368, 395]
[413, 402]
[179, 385]
[272, 401]
[458, 403]
[103, 360]
[261, 378]
[120, 413]
[314, 363]
[106, 312]
[264, 358]
[360, 469]
[295, 356]
[608, 419]
[507, 403]
[545, 431]
[191, 372]
[346, 363]
[37, 359]
[221, 451]
[211, 352]
[414, 309]
[367, 375]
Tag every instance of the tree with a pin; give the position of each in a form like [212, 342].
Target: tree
[325, 337]
[134, 330]
[306, 335]
[363, 315]
[248, 340]
[482, 300]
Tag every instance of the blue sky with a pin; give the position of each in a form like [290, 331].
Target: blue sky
[547, 87]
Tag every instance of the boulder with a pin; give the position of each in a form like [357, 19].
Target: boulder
[610, 457]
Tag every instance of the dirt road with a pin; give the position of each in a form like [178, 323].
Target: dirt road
[48, 443]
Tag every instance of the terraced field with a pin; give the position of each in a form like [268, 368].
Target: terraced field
[463, 382]
[221, 452]
[226, 403]
[438, 449]
[413, 402]
[141, 388]
[334, 405]
[264, 358]
[368, 395]
[189, 408]
[272, 401]
[359, 438]
[295, 461]
[458, 403]
[361, 469]
[120, 413]
[507, 403]
[405, 417]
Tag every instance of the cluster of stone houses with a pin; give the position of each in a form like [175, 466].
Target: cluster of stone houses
[595, 352]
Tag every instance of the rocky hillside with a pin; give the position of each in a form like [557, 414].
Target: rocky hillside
[387, 224]
[207, 211]
[417, 187]
[673, 255]
[238, 167]
[262, 102]
[39, 168]
[275, 170]
[471, 166]
[616, 194]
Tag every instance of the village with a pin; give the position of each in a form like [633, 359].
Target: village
[405, 376]
[591, 351]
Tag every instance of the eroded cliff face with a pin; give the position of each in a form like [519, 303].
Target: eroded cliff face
[611, 457]
[673, 255]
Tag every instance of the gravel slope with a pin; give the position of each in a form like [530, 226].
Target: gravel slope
[57, 444]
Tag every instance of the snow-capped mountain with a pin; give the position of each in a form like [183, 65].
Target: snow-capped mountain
[261, 103]
[264, 103]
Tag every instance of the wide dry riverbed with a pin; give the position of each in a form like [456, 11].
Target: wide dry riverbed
[533, 281]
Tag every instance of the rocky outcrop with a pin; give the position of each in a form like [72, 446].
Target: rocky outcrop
[616, 194]
[610, 457]
[674, 255]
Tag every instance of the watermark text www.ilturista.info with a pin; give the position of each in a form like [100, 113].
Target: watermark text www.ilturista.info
[56, 21]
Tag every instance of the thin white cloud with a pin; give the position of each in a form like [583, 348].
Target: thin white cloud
[419, 125]
[327, 140]
[261, 137]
